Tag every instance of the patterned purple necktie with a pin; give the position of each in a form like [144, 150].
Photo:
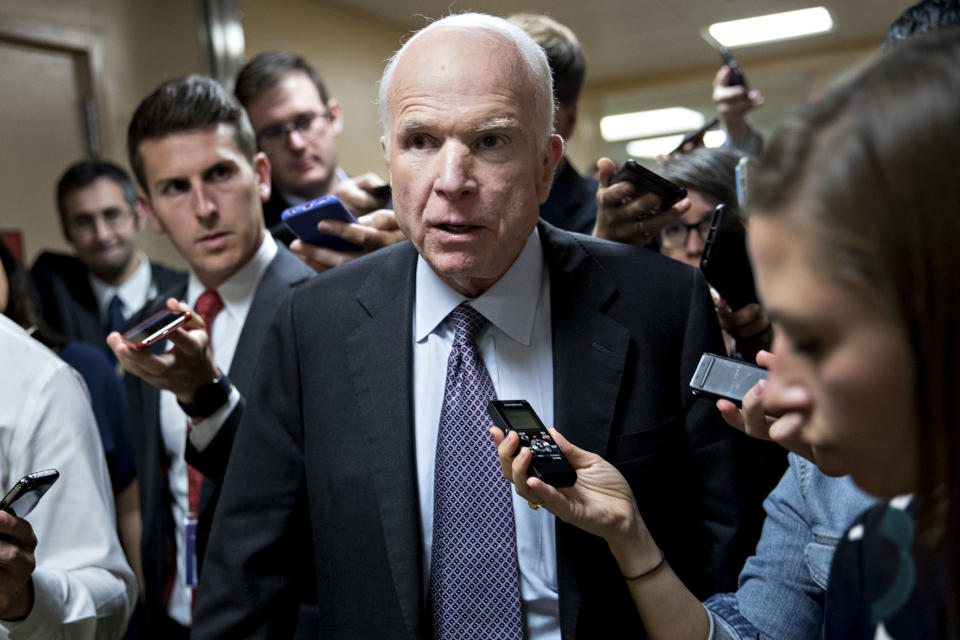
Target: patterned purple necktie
[474, 577]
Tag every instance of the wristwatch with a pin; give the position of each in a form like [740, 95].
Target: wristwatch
[208, 398]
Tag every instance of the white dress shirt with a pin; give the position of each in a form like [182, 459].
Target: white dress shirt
[516, 349]
[134, 292]
[237, 293]
[83, 587]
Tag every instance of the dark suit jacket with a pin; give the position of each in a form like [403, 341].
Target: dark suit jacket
[572, 204]
[285, 271]
[326, 446]
[66, 299]
[272, 210]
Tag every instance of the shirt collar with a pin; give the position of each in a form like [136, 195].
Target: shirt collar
[510, 304]
[237, 290]
[133, 293]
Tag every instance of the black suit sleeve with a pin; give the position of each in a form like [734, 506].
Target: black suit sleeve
[716, 454]
[212, 461]
[250, 580]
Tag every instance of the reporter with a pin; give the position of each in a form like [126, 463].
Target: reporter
[854, 240]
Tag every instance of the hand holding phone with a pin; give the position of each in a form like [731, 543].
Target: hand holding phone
[26, 493]
[646, 181]
[736, 75]
[302, 220]
[155, 328]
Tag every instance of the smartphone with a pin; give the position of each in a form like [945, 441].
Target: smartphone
[647, 181]
[719, 377]
[742, 174]
[302, 220]
[725, 262]
[381, 191]
[697, 135]
[26, 493]
[154, 328]
[736, 75]
[548, 463]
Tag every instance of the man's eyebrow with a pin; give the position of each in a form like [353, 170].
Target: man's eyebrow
[497, 124]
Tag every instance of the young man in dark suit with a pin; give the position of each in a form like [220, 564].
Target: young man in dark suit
[86, 296]
[367, 428]
[194, 154]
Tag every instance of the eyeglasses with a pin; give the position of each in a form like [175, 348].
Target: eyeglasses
[678, 233]
[86, 223]
[273, 138]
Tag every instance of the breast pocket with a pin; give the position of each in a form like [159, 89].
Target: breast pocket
[644, 445]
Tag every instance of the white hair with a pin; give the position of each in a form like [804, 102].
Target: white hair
[531, 54]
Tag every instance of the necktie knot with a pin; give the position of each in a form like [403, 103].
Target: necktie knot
[209, 304]
[467, 324]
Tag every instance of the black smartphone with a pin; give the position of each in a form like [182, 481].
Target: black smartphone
[725, 262]
[381, 191]
[548, 463]
[719, 377]
[736, 75]
[696, 136]
[302, 220]
[155, 328]
[26, 493]
[647, 181]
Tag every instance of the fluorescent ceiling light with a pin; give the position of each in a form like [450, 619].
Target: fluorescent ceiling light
[655, 147]
[643, 124]
[775, 26]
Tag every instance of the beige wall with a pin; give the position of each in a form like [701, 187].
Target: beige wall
[142, 43]
[348, 47]
[785, 83]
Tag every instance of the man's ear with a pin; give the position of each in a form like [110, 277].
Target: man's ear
[336, 116]
[143, 204]
[551, 158]
[261, 165]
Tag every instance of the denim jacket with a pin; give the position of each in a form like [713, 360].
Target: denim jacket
[782, 587]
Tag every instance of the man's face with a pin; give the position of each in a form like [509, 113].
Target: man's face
[101, 226]
[207, 197]
[298, 132]
[467, 172]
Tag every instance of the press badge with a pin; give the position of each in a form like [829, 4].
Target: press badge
[190, 548]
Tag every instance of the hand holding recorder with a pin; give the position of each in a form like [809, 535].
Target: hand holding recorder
[630, 212]
[182, 369]
[771, 411]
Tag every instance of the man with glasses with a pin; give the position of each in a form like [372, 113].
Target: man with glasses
[297, 123]
[109, 280]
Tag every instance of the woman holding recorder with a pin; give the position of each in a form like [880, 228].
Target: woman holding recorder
[854, 231]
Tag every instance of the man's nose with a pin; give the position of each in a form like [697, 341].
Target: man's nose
[101, 228]
[296, 141]
[454, 178]
[203, 204]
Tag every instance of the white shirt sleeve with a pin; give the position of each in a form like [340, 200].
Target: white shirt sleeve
[83, 586]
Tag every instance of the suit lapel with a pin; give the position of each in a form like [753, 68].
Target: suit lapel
[284, 271]
[589, 348]
[589, 356]
[381, 364]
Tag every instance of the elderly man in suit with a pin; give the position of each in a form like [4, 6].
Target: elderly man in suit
[195, 156]
[365, 444]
